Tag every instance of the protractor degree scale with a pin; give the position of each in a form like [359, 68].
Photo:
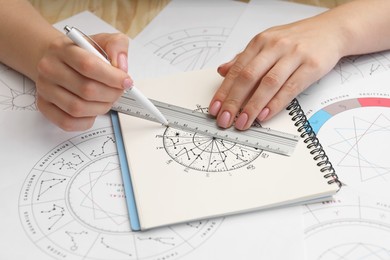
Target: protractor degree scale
[201, 123]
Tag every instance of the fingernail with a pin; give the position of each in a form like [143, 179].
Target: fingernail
[224, 119]
[241, 121]
[122, 62]
[215, 107]
[127, 84]
[263, 114]
[219, 69]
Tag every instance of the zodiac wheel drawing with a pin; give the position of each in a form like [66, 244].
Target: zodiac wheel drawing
[17, 92]
[352, 128]
[190, 49]
[72, 205]
[349, 251]
[352, 227]
[205, 153]
[360, 66]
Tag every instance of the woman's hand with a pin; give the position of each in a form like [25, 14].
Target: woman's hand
[276, 66]
[74, 86]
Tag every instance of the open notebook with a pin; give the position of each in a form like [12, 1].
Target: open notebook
[173, 176]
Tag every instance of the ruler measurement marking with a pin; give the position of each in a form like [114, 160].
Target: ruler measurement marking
[193, 121]
[249, 132]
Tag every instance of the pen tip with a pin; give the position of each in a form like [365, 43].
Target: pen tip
[165, 122]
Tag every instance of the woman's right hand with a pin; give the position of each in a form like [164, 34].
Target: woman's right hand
[74, 86]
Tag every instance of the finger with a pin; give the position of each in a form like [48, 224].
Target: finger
[62, 119]
[116, 46]
[224, 68]
[70, 103]
[302, 78]
[240, 62]
[224, 90]
[74, 82]
[91, 66]
[244, 85]
[269, 85]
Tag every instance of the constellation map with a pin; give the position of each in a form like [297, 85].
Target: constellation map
[189, 49]
[17, 92]
[204, 153]
[72, 204]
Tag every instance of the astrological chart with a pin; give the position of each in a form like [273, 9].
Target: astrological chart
[356, 136]
[349, 227]
[72, 205]
[189, 49]
[17, 92]
[354, 130]
[357, 67]
[207, 154]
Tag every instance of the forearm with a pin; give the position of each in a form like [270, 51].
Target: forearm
[363, 25]
[24, 35]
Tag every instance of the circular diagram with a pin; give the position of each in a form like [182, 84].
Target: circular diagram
[350, 250]
[72, 205]
[190, 49]
[18, 91]
[356, 135]
[360, 66]
[348, 228]
[205, 153]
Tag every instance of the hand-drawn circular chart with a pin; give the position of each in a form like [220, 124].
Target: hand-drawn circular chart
[348, 229]
[17, 92]
[356, 137]
[190, 49]
[72, 205]
[207, 154]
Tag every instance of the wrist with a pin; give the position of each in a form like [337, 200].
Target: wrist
[340, 31]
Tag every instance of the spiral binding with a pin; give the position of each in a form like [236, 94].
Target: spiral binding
[313, 144]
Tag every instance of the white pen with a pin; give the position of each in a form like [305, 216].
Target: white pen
[79, 39]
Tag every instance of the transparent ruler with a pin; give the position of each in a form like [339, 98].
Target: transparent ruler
[201, 123]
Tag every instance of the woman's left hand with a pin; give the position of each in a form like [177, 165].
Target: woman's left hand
[275, 67]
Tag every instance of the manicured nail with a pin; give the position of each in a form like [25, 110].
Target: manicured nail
[122, 62]
[127, 84]
[220, 68]
[215, 107]
[241, 121]
[224, 119]
[263, 114]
